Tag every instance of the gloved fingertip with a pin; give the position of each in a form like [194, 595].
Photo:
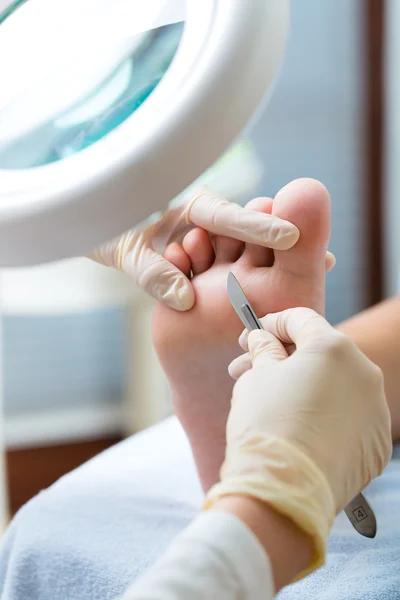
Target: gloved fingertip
[243, 339]
[186, 299]
[232, 371]
[287, 236]
[239, 366]
[182, 297]
[255, 338]
[264, 346]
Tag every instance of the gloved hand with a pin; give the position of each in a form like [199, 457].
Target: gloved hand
[139, 253]
[306, 432]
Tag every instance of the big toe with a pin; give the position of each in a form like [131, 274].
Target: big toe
[306, 204]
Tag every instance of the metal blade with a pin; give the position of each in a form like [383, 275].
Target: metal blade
[241, 305]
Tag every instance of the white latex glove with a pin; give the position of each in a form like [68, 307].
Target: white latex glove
[306, 432]
[139, 253]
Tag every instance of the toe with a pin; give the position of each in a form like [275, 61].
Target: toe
[254, 255]
[306, 204]
[227, 250]
[176, 255]
[199, 249]
[330, 261]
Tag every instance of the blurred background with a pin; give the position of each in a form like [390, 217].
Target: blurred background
[76, 380]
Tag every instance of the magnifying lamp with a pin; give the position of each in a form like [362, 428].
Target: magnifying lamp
[110, 108]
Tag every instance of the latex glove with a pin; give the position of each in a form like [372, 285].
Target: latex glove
[139, 253]
[308, 432]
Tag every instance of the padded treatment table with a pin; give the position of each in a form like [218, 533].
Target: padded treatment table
[94, 531]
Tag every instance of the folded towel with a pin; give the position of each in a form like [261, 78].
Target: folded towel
[92, 533]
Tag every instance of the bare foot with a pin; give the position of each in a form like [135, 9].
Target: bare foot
[196, 347]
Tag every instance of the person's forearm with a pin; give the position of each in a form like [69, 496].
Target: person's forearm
[239, 549]
[288, 549]
[376, 332]
[216, 556]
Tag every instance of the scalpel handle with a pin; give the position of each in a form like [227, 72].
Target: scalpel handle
[361, 516]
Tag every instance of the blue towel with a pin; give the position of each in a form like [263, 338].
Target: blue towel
[358, 568]
[91, 534]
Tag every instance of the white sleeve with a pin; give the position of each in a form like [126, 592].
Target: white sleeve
[217, 556]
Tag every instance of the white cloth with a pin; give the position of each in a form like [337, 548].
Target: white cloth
[216, 557]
